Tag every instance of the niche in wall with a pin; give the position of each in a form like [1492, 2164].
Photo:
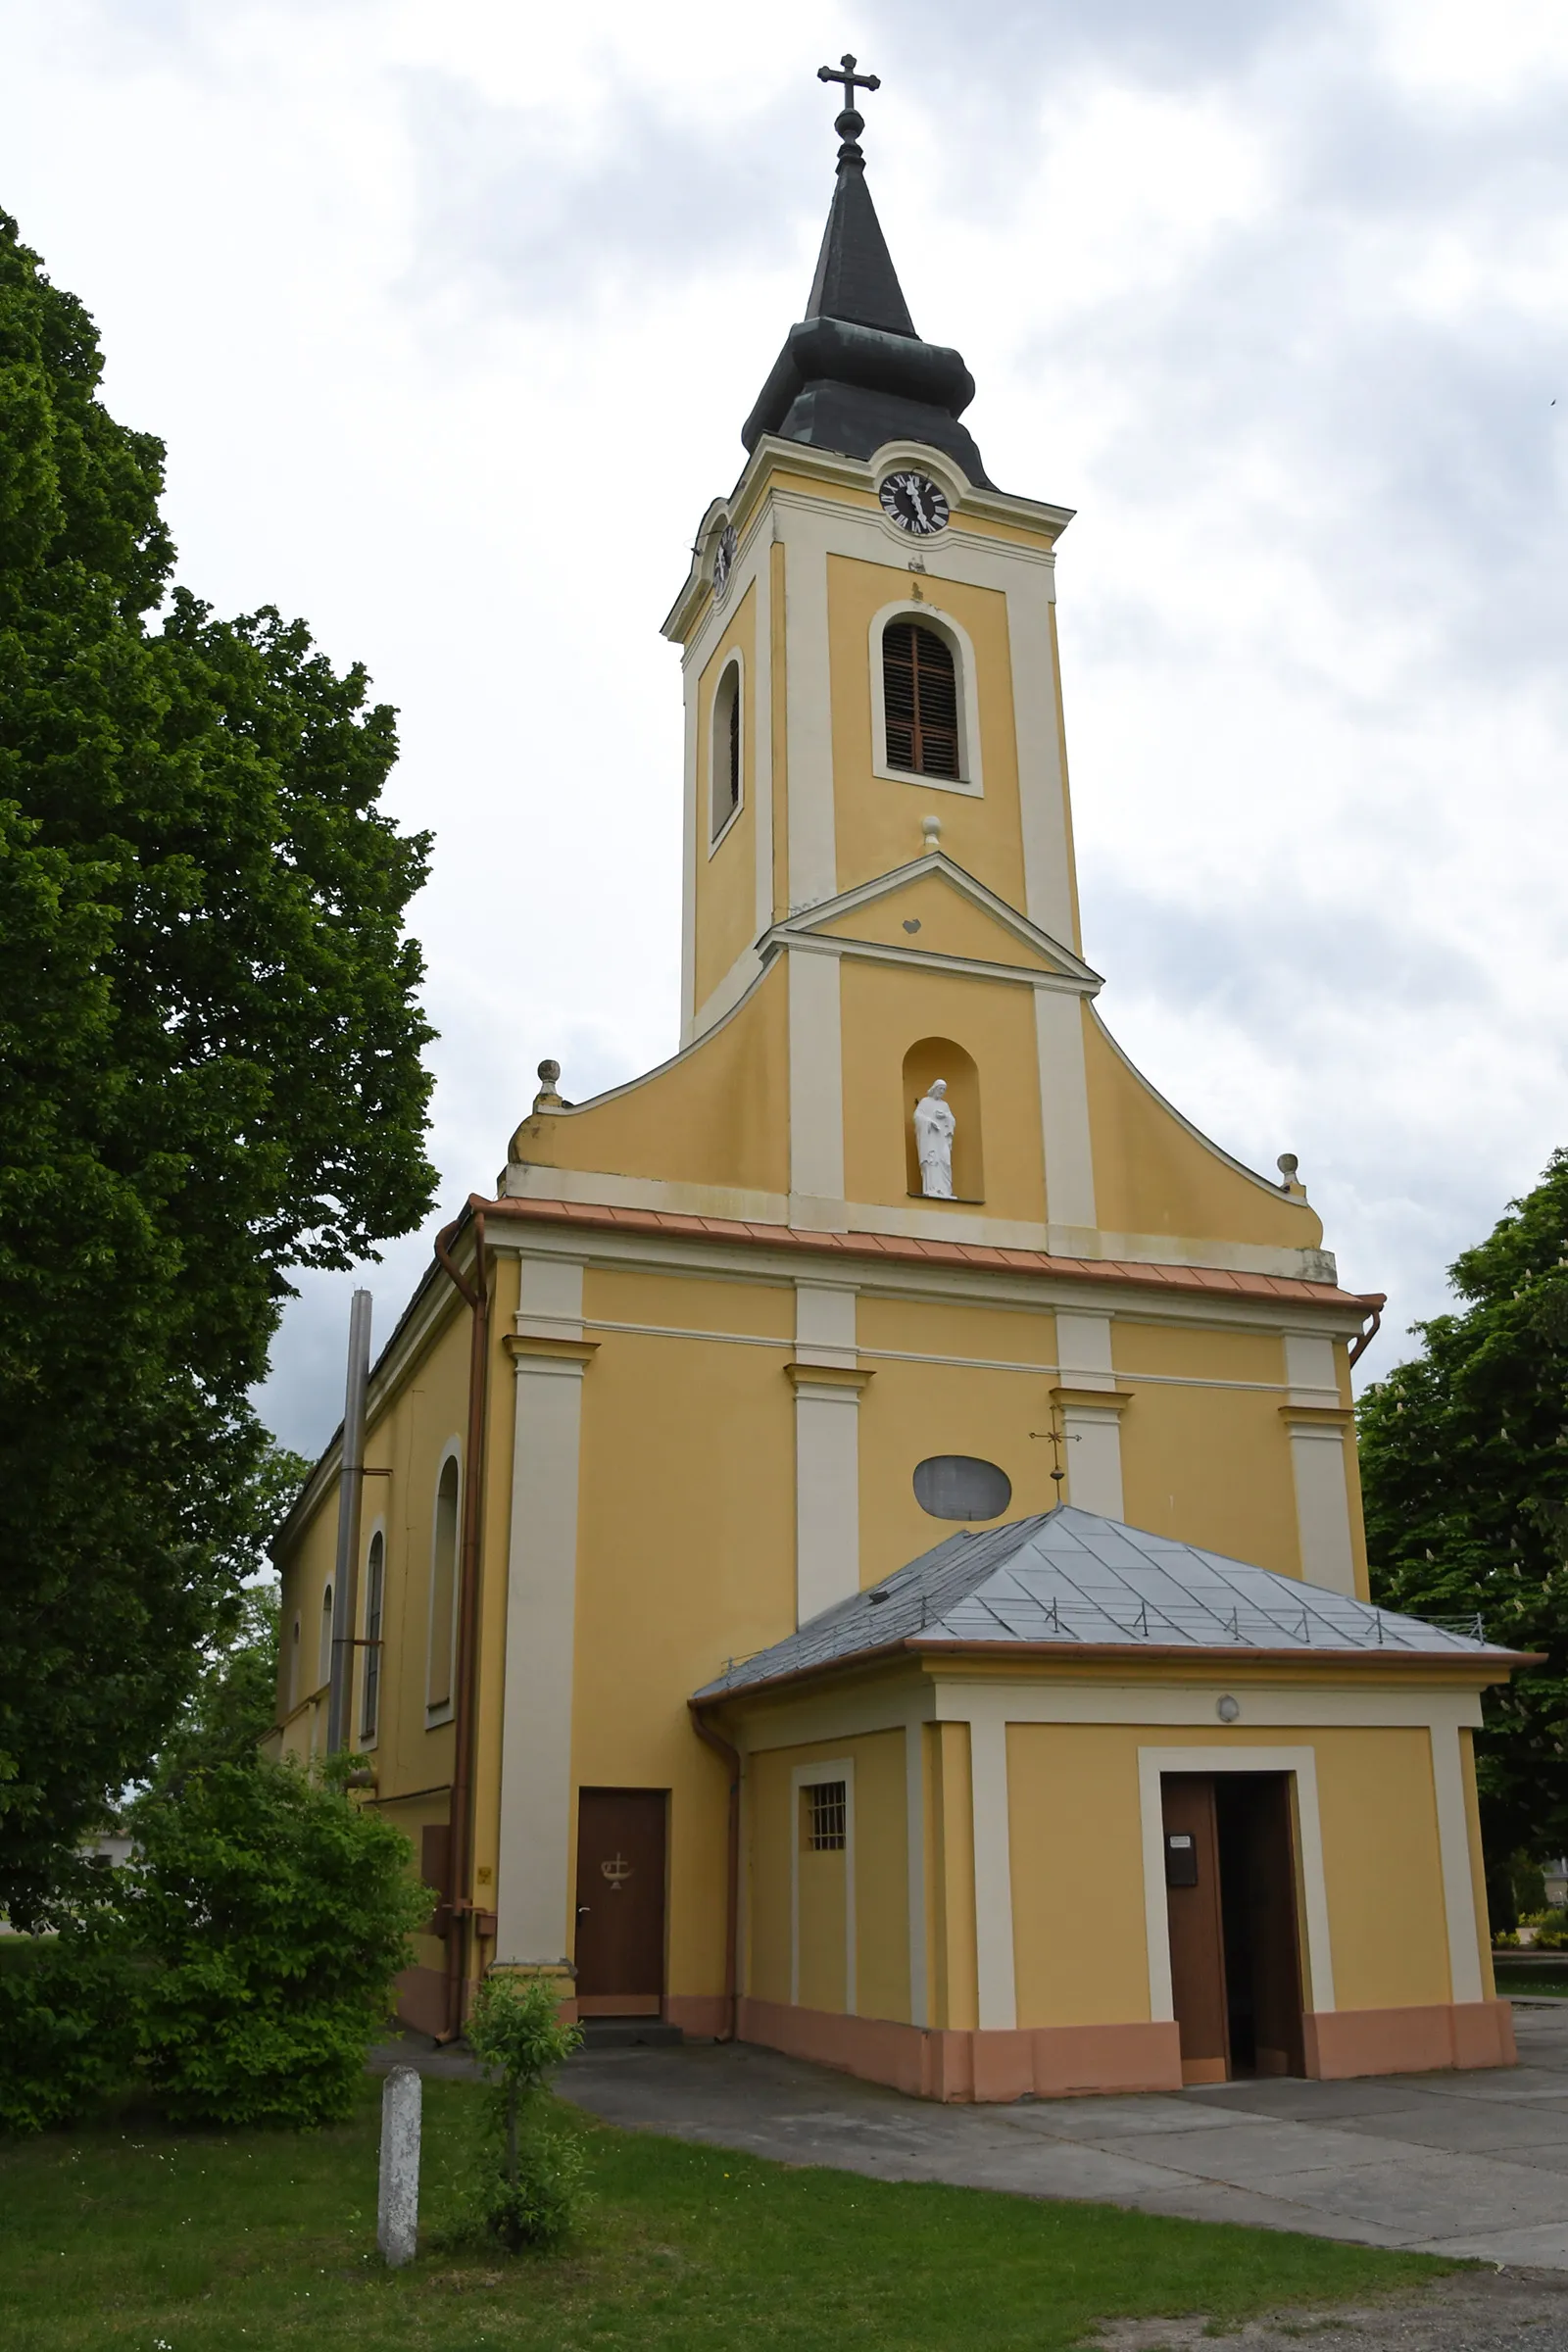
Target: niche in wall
[935, 1057]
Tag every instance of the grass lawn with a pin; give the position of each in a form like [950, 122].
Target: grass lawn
[128, 2235]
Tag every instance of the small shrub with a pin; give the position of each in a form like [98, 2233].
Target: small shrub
[68, 2029]
[525, 2187]
[270, 1915]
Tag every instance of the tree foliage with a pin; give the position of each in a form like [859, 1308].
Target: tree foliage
[1464, 1465]
[212, 1047]
[235, 1969]
[270, 1914]
[524, 2189]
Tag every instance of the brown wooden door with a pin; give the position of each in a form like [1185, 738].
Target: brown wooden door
[1197, 1927]
[1257, 1867]
[620, 1901]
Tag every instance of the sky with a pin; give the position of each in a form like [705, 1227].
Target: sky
[450, 317]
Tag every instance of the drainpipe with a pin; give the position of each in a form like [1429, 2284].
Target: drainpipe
[475, 1296]
[350, 1501]
[733, 1906]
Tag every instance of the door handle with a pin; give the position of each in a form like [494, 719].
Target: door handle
[582, 1907]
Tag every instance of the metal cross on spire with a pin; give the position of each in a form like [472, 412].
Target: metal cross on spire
[850, 123]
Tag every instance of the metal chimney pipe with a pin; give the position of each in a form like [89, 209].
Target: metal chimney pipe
[350, 1498]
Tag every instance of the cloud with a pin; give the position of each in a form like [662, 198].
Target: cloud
[451, 316]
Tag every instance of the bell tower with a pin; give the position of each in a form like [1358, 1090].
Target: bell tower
[873, 714]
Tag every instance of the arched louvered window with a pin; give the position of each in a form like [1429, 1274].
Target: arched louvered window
[727, 749]
[920, 700]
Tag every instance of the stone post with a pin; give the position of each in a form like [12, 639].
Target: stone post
[397, 2231]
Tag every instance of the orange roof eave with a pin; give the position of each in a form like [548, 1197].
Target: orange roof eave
[905, 1250]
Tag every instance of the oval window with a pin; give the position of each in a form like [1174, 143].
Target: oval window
[958, 1486]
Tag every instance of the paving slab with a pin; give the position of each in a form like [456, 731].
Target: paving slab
[1473, 2164]
[1426, 2193]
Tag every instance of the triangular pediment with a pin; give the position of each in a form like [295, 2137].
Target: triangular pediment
[933, 908]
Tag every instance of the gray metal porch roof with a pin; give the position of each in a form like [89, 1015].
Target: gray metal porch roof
[1074, 1578]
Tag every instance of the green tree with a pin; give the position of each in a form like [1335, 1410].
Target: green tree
[213, 1069]
[234, 1702]
[525, 2186]
[1464, 1465]
[269, 1915]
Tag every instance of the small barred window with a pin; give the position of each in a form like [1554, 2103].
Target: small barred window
[825, 1816]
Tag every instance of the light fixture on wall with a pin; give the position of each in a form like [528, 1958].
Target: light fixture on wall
[1227, 1708]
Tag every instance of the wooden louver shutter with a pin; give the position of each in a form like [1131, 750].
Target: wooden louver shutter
[920, 701]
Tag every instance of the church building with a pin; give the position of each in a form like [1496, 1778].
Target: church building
[861, 1546]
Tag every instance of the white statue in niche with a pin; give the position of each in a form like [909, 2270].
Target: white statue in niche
[934, 1126]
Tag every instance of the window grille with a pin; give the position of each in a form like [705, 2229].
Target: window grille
[919, 700]
[825, 1816]
[374, 1593]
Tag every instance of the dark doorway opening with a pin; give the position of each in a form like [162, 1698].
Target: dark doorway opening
[620, 1901]
[1230, 1876]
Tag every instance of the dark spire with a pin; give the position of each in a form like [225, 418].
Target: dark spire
[853, 374]
[855, 275]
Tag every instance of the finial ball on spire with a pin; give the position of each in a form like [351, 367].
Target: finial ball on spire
[849, 124]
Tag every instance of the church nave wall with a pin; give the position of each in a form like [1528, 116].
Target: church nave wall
[1154, 1175]
[1204, 1460]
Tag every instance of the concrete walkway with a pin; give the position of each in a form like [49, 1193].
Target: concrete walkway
[1470, 2163]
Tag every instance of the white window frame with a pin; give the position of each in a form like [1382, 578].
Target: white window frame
[441, 1710]
[734, 661]
[323, 1639]
[1299, 1766]
[970, 778]
[807, 1776]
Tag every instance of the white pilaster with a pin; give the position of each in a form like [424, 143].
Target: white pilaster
[690, 837]
[1458, 1883]
[1317, 1424]
[762, 716]
[809, 711]
[532, 1896]
[1064, 1109]
[993, 1869]
[1042, 782]
[915, 1833]
[816, 1088]
[1091, 1430]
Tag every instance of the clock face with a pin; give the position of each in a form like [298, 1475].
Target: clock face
[723, 557]
[915, 504]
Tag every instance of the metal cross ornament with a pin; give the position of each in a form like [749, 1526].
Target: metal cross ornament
[849, 124]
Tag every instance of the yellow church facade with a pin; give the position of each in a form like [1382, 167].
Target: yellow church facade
[900, 1601]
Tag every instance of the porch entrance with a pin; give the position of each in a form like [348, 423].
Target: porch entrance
[620, 1902]
[1230, 1893]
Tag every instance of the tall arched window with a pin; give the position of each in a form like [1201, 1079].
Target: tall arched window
[374, 1602]
[920, 700]
[727, 749]
[323, 1658]
[443, 1586]
[294, 1668]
